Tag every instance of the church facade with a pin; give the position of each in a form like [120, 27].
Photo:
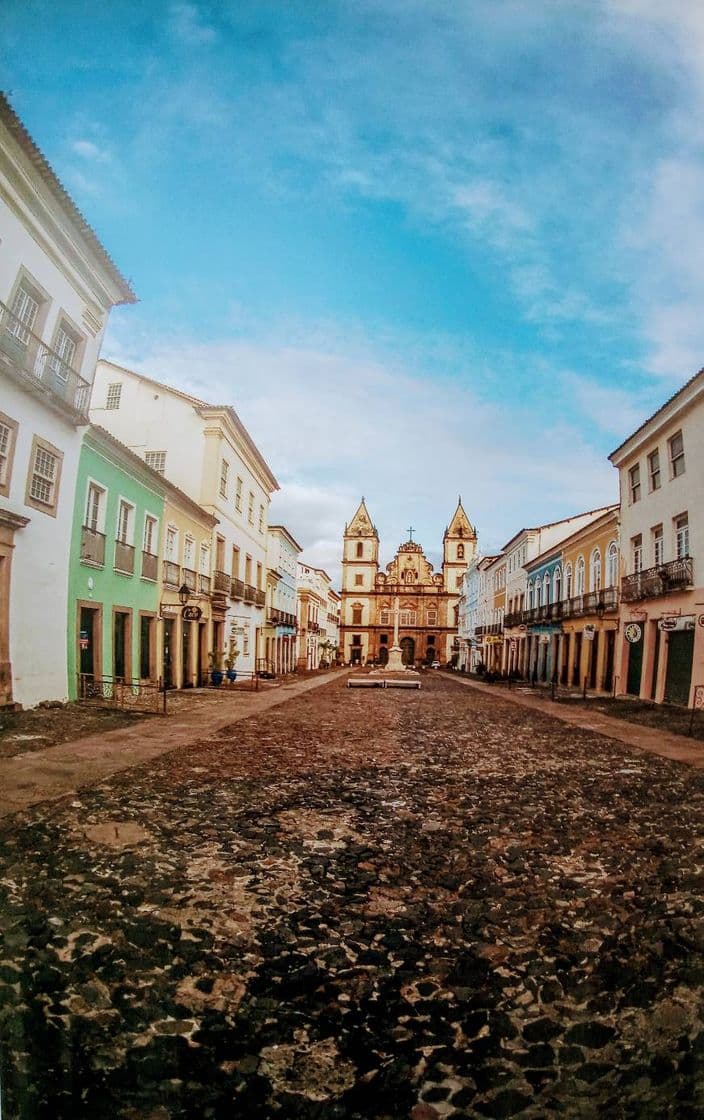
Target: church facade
[428, 600]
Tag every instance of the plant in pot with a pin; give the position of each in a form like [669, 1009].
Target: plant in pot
[232, 655]
[215, 663]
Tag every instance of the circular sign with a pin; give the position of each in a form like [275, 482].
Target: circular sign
[633, 632]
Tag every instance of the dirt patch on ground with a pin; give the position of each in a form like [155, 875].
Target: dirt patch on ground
[38, 728]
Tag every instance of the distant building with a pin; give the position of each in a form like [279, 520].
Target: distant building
[312, 590]
[57, 286]
[428, 600]
[660, 651]
[280, 633]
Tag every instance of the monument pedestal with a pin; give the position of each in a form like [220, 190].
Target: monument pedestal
[395, 661]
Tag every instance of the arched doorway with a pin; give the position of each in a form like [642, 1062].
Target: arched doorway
[383, 655]
[408, 651]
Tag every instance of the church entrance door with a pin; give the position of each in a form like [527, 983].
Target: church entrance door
[408, 651]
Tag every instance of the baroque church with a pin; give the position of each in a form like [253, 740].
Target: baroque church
[428, 600]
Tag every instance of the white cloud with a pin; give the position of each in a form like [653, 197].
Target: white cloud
[188, 26]
[90, 151]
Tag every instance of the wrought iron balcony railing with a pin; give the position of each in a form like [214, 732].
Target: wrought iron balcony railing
[250, 593]
[237, 589]
[190, 578]
[221, 582]
[172, 574]
[36, 365]
[124, 557]
[150, 565]
[92, 546]
[652, 582]
[259, 597]
[204, 584]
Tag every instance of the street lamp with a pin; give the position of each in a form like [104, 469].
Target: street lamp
[184, 594]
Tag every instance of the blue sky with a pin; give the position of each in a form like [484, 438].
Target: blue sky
[423, 248]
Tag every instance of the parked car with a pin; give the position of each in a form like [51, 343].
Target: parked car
[435, 665]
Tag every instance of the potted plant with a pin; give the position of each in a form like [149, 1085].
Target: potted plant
[232, 655]
[215, 662]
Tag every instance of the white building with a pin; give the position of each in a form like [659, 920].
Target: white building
[206, 451]
[57, 286]
[660, 649]
[282, 566]
[332, 627]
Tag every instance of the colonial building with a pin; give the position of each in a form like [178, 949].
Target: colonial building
[312, 594]
[428, 600]
[660, 648]
[280, 636]
[206, 451]
[57, 286]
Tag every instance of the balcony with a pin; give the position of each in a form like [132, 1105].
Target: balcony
[237, 589]
[190, 578]
[172, 574]
[221, 582]
[92, 546]
[260, 598]
[204, 585]
[124, 558]
[29, 360]
[250, 593]
[648, 584]
[514, 618]
[150, 565]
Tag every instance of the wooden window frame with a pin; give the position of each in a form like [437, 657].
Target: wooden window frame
[14, 427]
[50, 509]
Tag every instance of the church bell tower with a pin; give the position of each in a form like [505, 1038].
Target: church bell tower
[360, 565]
[459, 546]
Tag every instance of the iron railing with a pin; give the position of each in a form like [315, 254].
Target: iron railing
[172, 574]
[259, 597]
[250, 593]
[36, 364]
[150, 565]
[121, 692]
[204, 584]
[221, 582]
[190, 578]
[237, 589]
[92, 546]
[124, 557]
[658, 581]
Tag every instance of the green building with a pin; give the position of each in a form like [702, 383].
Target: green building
[114, 566]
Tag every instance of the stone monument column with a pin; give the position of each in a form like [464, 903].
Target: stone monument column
[395, 662]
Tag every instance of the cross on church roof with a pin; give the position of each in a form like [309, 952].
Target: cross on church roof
[410, 532]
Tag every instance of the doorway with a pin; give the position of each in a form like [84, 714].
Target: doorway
[408, 651]
[168, 653]
[635, 666]
[678, 677]
[121, 645]
[88, 638]
[186, 681]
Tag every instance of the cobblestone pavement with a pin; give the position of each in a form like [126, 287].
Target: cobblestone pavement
[361, 904]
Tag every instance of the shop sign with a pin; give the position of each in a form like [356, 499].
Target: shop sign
[633, 632]
[191, 614]
[83, 640]
[699, 697]
[588, 632]
[676, 622]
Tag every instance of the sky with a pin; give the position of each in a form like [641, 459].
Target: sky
[424, 249]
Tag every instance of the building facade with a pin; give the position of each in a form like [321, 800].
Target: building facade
[206, 452]
[313, 586]
[282, 564]
[57, 286]
[428, 600]
[660, 651]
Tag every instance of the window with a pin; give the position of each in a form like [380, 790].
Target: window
[238, 495]
[44, 477]
[356, 616]
[612, 565]
[658, 550]
[205, 559]
[546, 588]
[407, 618]
[634, 483]
[156, 460]
[114, 393]
[579, 576]
[250, 508]
[8, 435]
[150, 535]
[460, 552]
[356, 639]
[682, 536]
[259, 578]
[358, 580]
[431, 618]
[94, 508]
[248, 570]
[556, 584]
[66, 347]
[125, 515]
[25, 307]
[458, 581]
[235, 562]
[384, 617]
[595, 571]
[171, 552]
[224, 471]
[676, 447]
[360, 549]
[568, 582]
[637, 553]
[654, 469]
[189, 548]
[261, 519]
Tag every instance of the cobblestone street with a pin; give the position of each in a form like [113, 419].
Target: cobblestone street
[361, 904]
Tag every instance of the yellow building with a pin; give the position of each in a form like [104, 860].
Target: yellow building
[183, 643]
[589, 607]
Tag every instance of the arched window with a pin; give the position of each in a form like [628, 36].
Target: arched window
[529, 596]
[360, 548]
[568, 582]
[595, 571]
[556, 584]
[546, 588]
[460, 552]
[579, 577]
[536, 597]
[612, 565]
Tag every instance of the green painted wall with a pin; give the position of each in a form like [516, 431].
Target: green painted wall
[100, 462]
